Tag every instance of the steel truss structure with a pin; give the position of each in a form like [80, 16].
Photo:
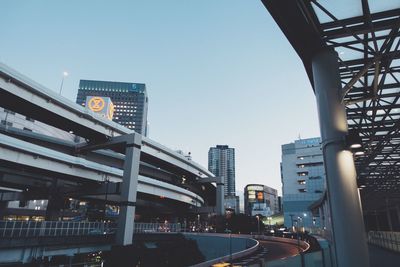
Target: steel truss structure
[366, 36]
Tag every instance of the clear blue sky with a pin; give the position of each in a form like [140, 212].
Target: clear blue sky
[217, 71]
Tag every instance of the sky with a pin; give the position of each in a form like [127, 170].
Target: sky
[216, 71]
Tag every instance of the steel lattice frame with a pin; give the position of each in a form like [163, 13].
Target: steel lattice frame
[370, 81]
[371, 93]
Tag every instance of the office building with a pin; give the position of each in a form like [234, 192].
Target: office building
[130, 101]
[221, 162]
[260, 200]
[303, 180]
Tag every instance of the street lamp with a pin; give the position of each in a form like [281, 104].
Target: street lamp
[65, 74]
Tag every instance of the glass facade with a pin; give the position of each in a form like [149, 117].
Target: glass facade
[221, 162]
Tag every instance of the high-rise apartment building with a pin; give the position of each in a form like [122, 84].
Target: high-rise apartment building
[221, 162]
[303, 180]
[130, 101]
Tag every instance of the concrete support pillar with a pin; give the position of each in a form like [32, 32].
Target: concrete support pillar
[55, 203]
[344, 200]
[128, 191]
[220, 196]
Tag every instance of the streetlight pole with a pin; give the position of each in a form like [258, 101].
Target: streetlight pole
[65, 74]
[258, 224]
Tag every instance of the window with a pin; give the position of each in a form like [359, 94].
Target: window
[302, 190]
[301, 181]
[27, 129]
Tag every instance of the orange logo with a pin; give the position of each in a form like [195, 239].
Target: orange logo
[110, 113]
[96, 104]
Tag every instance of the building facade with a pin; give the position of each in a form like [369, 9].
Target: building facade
[303, 181]
[221, 162]
[260, 200]
[130, 101]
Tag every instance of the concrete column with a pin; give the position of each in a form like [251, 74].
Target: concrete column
[220, 196]
[344, 201]
[128, 191]
[55, 202]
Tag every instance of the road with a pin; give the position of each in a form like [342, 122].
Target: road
[278, 250]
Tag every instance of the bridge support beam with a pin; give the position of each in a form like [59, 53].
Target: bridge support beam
[344, 200]
[129, 190]
[220, 193]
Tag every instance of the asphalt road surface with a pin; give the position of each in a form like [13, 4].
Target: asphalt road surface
[278, 250]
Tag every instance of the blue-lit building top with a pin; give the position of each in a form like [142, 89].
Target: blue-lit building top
[303, 181]
[130, 101]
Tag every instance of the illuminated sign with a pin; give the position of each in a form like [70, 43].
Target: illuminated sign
[311, 141]
[101, 105]
[110, 113]
[96, 104]
[255, 188]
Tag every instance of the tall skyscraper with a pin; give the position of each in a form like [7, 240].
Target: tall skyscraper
[303, 180]
[221, 162]
[130, 101]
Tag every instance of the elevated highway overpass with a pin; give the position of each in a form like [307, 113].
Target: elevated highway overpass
[105, 161]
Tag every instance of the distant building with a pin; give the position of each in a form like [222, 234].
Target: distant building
[231, 204]
[221, 162]
[130, 101]
[260, 199]
[303, 179]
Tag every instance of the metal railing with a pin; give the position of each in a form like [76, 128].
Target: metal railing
[388, 240]
[22, 229]
[157, 227]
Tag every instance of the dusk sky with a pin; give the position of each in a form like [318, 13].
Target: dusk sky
[216, 71]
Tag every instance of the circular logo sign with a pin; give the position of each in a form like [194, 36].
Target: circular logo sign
[96, 104]
[111, 110]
